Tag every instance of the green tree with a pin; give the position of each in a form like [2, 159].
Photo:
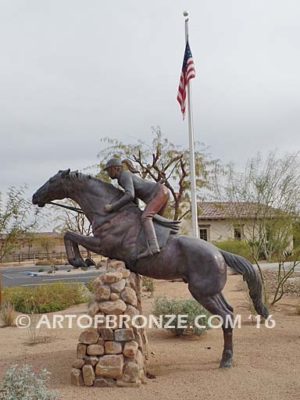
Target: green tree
[265, 200]
[164, 162]
[16, 218]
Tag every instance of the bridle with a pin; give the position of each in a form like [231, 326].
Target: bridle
[79, 210]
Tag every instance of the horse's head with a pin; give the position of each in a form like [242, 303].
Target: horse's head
[54, 189]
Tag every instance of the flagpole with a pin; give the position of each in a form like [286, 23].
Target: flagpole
[191, 145]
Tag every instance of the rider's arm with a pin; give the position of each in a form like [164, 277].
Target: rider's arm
[125, 180]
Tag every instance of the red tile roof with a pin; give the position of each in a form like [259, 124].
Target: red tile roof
[234, 210]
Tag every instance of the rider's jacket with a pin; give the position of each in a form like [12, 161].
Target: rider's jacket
[134, 186]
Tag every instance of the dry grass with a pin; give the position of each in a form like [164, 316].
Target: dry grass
[46, 298]
[7, 314]
[47, 262]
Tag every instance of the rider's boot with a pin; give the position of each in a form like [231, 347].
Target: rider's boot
[153, 246]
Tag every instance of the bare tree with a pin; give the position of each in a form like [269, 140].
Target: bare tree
[164, 162]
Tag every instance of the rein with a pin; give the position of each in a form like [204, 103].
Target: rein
[79, 210]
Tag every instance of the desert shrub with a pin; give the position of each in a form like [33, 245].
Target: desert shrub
[238, 247]
[7, 314]
[291, 286]
[46, 298]
[190, 308]
[148, 284]
[90, 286]
[22, 383]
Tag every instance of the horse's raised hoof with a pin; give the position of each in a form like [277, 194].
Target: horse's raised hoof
[89, 262]
[226, 361]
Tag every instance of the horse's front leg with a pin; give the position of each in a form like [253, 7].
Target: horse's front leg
[72, 240]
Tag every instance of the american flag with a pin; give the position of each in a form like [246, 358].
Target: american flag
[188, 72]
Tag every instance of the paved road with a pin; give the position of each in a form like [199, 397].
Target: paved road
[20, 276]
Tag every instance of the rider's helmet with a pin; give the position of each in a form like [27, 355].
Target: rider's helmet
[113, 162]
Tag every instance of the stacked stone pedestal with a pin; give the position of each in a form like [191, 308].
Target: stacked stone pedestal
[113, 352]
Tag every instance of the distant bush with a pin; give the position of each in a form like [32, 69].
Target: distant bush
[148, 284]
[46, 298]
[190, 308]
[238, 247]
[22, 383]
[7, 314]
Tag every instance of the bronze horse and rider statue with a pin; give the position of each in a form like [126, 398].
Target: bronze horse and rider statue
[148, 243]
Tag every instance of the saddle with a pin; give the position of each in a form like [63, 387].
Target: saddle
[164, 228]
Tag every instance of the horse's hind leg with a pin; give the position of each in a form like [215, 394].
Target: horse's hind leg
[217, 305]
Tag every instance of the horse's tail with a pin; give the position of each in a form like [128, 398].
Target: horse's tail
[250, 275]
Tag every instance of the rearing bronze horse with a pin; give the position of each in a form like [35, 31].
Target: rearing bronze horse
[117, 235]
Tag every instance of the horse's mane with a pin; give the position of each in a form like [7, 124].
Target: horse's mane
[79, 176]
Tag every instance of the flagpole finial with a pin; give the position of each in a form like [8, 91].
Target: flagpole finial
[186, 14]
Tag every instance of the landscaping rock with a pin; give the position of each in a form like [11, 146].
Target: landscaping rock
[113, 307]
[76, 377]
[118, 286]
[123, 335]
[89, 336]
[112, 277]
[95, 350]
[113, 347]
[88, 375]
[129, 296]
[130, 349]
[81, 350]
[110, 366]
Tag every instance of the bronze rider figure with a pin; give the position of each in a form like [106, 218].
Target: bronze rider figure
[154, 194]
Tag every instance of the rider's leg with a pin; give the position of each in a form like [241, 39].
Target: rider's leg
[158, 203]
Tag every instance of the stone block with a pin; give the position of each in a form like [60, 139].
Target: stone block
[81, 350]
[113, 347]
[78, 363]
[131, 372]
[91, 360]
[113, 307]
[131, 311]
[111, 277]
[110, 366]
[93, 309]
[95, 350]
[125, 273]
[88, 375]
[102, 293]
[118, 286]
[106, 333]
[130, 349]
[89, 336]
[129, 296]
[114, 296]
[76, 377]
[124, 335]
